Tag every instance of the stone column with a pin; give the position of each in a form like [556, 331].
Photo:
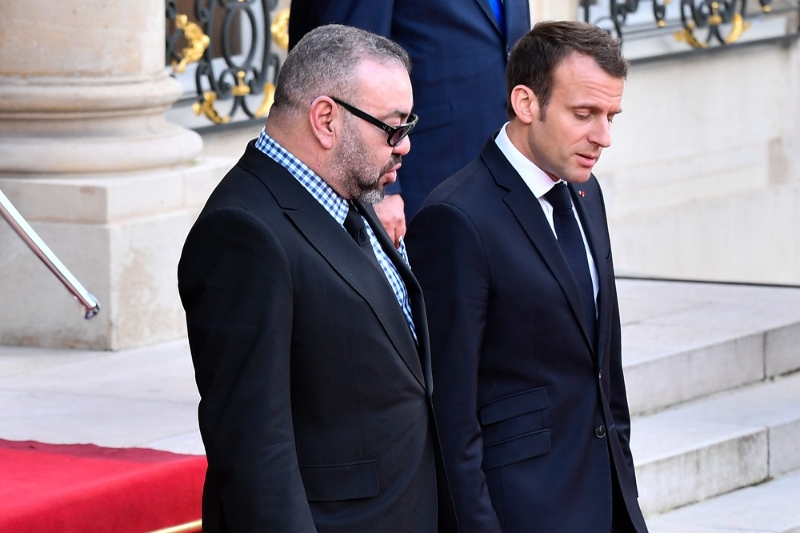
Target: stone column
[553, 10]
[83, 88]
[794, 115]
[88, 158]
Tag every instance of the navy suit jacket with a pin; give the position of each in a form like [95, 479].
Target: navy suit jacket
[459, 56]
[521, 392]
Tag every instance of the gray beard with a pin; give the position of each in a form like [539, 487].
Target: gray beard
[370, 196]
[358, 177]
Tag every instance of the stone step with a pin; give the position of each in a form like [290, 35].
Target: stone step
[718, 444]
[772, 507]
[686, 340]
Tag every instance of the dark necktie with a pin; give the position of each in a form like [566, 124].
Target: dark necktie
[571, 242]
[354, 225]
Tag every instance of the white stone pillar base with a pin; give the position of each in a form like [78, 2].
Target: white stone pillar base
[121, 236]
[67, 125]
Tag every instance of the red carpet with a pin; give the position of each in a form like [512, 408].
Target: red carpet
[46, 488]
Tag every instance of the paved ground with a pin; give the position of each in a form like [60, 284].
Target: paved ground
[147, 397]
[144, 397]
[711, 372]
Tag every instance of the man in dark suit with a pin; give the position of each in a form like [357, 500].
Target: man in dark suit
[307, 328]
[514, 259]
[459, 50]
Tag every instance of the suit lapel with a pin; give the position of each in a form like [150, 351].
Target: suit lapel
[517, 18]
[589, 211]
[414, 293]
[528, 212]
[340, 251]
[358, 271]
[487, 10]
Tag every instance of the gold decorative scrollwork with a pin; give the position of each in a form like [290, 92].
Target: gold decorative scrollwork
[247, 71]
[241, 88]
[687, 35]
[715, 19]
[280, 29]
[738, 27]
[206, 107]
[198, 42]
[266, 103]
[661, 23]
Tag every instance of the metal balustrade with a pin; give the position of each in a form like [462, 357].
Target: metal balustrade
[687, 25]
[229, 50]
[227, 53]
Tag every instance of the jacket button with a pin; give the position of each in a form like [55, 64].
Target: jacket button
[600, 432]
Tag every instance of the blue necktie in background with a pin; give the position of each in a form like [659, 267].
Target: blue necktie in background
[497, 8]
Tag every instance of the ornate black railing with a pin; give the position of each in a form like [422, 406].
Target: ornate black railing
[233, 47]
[230, 45]
[698, 23]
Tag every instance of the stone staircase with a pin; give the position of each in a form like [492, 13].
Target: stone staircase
[712, 378]
[712, 384]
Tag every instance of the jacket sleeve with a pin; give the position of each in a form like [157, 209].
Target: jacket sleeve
[236, 287]
[448, 258]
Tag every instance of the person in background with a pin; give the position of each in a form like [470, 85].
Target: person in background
[458, 50]
[514, 259]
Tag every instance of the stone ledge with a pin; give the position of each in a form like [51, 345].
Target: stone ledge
[108, 199]
[767, 508]
[716, 445]
[683, 341]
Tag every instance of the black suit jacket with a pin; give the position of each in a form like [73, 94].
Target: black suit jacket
[315, 401]
[520, 390]
[459, 56]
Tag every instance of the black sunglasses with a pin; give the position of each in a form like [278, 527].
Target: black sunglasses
[396, 133]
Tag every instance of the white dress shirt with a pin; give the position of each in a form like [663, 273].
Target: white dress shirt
[540, 184]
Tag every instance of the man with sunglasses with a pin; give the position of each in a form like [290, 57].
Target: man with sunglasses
[307, 329]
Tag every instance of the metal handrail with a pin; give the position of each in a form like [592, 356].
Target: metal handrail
[43, 252]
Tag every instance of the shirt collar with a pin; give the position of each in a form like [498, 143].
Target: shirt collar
[333, 203]
[534, 177]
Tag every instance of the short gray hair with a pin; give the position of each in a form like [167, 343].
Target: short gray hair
[324, 61]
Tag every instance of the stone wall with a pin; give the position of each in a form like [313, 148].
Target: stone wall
[703, 178]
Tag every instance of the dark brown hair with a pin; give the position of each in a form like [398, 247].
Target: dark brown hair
[535, 57]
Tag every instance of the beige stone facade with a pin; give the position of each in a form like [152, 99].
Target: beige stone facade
[88, 158]
[703, 179]
[702, 182]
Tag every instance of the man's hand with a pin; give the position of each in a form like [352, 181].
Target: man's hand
[390, 213]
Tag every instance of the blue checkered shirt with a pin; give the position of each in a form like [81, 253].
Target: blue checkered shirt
[338, 207]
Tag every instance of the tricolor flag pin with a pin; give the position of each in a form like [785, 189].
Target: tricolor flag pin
[582, 193]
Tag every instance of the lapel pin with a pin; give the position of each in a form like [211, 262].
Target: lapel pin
[582, 193]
